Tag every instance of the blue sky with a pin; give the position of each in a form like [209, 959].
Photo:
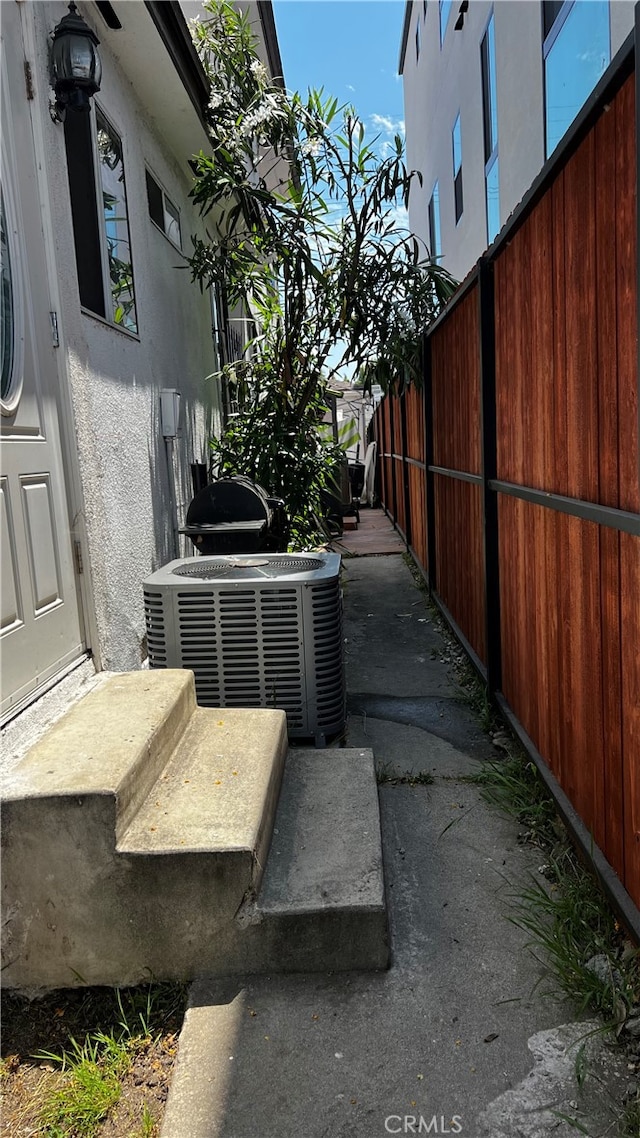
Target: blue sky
[349, 47]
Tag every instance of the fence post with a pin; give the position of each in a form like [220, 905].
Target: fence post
[428, 463]
[489, 472]
[405, 467]
[392, 462]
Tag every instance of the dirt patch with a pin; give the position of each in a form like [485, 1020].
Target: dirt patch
[144, 1022]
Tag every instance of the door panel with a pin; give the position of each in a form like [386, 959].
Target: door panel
[41, 629]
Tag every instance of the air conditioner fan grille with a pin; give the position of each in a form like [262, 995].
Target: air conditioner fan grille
[249, 569]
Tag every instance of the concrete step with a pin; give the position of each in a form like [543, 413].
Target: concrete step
[217, 794]
[94, 890]
[322, 902]
[135, 838]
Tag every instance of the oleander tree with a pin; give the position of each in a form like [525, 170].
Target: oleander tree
[306, 230]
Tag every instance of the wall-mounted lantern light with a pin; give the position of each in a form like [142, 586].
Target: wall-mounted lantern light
[75, 64]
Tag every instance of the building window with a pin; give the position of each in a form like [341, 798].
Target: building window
[162, 211]
[445, 12]
[100, 220]
[457, 169]
[417, 39]
[435, 242]
[490, 124]
[576, 50]
[424, 9]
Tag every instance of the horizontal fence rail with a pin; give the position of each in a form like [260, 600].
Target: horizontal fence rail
[512, 474]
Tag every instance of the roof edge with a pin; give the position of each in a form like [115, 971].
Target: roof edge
[172, 28]
[405, 35]
[267, 19]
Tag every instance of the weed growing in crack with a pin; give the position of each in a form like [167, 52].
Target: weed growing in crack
[385, 775]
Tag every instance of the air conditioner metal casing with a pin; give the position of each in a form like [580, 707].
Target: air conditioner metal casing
[260, 630]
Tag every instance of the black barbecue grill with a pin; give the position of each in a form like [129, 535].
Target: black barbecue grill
[234, 515]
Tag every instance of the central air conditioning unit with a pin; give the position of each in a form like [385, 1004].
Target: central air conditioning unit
[261, 630]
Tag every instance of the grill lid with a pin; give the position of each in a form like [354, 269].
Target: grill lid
[228, 500]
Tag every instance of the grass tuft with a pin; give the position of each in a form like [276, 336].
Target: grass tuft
[570, 919]
[91, 1089]
[514, 786]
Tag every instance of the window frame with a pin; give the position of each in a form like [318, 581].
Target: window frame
[96, 110]
[489, 114]
[149, 174]
[457, 173]
[435, 227]
[549, 40]
[89, 222]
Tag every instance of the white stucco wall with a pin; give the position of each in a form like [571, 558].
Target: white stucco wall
[114, 378]
[445, 80]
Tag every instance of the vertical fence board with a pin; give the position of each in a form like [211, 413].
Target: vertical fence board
[630, 623]
[612, 697]
[626, 298]
[580, 379]
[561, 477]
[606, 145]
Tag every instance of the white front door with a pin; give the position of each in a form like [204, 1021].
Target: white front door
[41, 631]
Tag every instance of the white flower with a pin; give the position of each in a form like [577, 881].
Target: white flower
[311, 147]
[259, 71]
[215, 100]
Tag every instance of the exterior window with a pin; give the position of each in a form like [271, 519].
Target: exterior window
[424, 9]
[457, 169]
[576, 51]
[162, 211]
[445, 12]
[435, 242]
[100, 221]
[490, 121]
[417, 39]
[116, 225]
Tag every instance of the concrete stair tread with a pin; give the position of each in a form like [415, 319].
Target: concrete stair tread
[93, 748]
[326, 851]
[216, 788]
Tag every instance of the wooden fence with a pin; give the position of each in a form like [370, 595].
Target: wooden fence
[512, 474]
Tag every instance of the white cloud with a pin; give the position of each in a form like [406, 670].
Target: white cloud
[387, 125]
[350, 88]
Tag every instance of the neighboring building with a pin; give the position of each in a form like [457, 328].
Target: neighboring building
[99, 314]
[490, 89]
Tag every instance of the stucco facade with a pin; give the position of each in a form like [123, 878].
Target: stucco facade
[126, 489]
[444, 79]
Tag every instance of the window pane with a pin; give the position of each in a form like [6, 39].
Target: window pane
[492, 84]
[171, 222]
[435, 241]
[87, 223]
[493, 202]
[114, 198]
[574, 64]
[550, 10]
[154, 199]
[457, 193]
[457, 147]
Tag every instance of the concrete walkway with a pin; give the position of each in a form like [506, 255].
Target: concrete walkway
[456, 1037]
[375, 535]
